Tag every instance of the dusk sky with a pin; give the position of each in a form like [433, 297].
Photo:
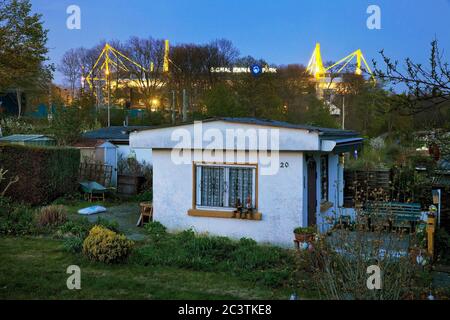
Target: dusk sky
[280, 31]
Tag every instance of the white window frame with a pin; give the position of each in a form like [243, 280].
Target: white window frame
[226, 178]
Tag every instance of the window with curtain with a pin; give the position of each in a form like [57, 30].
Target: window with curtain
[225, 186]
[324, 177]
[212, 187]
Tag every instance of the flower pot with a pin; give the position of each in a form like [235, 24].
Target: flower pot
[304, 237]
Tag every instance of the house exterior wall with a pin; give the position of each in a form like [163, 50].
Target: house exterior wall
[280, 200]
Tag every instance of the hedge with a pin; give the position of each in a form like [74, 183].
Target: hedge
[44, 173]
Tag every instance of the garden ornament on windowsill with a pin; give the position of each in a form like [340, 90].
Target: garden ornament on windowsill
[239, 209]
[249, 207]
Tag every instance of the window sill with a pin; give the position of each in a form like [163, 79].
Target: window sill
[223, 214]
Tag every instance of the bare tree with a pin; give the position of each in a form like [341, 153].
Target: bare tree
[11, 181]
[70, 67]
[149, 54]
[192, 64]
[428, 87]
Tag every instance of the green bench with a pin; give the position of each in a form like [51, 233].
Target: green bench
[393, 214]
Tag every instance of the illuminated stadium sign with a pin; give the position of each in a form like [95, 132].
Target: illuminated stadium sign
[265, 69]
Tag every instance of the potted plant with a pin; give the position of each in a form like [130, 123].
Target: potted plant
[305, 234]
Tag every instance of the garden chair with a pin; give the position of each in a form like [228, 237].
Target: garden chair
[146, 213]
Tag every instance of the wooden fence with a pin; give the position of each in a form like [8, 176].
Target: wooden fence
[96, 172]
[361, 186]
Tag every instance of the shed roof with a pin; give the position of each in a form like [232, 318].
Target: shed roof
[116, 133]
[25, 137]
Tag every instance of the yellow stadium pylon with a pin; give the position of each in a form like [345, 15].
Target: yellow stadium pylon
[108, 61]
[359, 61]
[315, 65]
[112, 60]
[166, 56]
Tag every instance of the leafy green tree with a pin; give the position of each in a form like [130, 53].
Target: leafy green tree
[222, 101]
[259, 98]
[318, 114]
[23, 49]
[67, 125]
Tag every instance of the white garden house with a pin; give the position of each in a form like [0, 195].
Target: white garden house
[286, 175]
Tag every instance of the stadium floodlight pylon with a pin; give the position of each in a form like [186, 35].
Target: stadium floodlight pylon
[108, 61]
[315, 66]
[112, 60]
[359, 61]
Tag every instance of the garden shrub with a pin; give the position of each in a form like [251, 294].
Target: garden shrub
[70, 198]
[16, 220]
[247, 242]
[108, 224]
[51, 216]
[339, 268]
[73, 244]
[76, 228]
[155, 230]
[106, 246]
[212, 249]
[244, 258]
[144, 196]
[44, 173]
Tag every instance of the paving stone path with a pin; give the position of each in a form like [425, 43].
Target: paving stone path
[126, 215]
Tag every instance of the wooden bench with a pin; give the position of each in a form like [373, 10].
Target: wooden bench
[393, 214]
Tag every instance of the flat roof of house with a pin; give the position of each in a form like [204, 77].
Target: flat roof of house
[271, 123]
[115, 133]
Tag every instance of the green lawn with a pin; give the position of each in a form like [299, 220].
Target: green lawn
[35, 268]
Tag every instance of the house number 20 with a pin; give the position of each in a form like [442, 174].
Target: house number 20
[284, 165]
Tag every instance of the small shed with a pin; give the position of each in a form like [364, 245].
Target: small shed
[99, 152]
[29, 140]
